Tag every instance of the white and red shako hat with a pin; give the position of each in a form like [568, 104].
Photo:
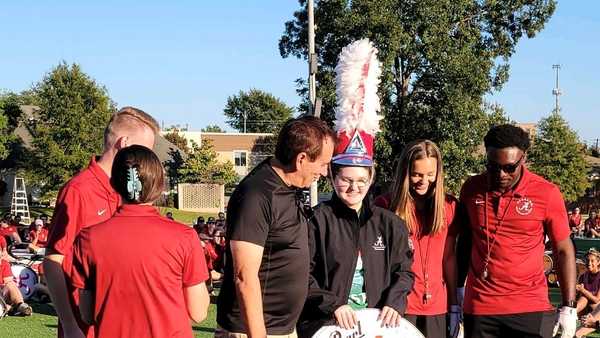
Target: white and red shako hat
[357, 121]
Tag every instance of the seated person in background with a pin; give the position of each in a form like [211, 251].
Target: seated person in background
[211, 226]
[210, 254]
[588, 285]
[592, 225]
[38, 237]
[220, 220]
[9, 232]
[588, 223]
[200, 225]
[8, 288]
[220, 246]
[576, 223]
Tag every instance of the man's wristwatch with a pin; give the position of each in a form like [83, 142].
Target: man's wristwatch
[570, 303]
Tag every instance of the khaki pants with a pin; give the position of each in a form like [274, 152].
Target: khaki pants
[222, 333]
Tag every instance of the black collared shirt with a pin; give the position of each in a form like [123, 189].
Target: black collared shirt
[265, 211]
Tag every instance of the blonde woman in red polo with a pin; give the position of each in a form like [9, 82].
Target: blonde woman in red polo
[418, 197]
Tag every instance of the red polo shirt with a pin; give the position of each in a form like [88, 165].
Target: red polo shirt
[86, 199]
[42, 237]
[8, 230]
[428, 257]
[516, 282]
[139, 293]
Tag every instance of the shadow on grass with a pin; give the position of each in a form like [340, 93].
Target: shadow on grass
[204, 329]
[44, 309]
[53, 326]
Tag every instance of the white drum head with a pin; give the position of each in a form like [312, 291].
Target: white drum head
[25, 278]
[370, 327]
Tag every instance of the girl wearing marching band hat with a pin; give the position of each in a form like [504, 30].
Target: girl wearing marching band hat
[418, 198]
[360, 257]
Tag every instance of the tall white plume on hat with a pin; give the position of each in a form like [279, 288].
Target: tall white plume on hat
[357, 79]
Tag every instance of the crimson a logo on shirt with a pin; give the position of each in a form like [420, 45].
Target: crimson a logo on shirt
[524, 206]
[378, 245]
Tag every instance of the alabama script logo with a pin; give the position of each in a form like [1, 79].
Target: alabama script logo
[378, 245]
[524, 206]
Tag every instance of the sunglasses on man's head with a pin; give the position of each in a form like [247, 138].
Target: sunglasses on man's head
[507, 168]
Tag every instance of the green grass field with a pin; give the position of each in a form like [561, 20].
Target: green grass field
[43, 324]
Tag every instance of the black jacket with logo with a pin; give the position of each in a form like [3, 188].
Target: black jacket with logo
[336, 235]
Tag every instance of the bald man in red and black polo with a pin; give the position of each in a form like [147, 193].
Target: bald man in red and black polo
[510, 210]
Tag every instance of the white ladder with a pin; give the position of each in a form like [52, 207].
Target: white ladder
[19, 204]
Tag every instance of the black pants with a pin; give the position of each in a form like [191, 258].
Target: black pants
[433, 326]
[518, 325]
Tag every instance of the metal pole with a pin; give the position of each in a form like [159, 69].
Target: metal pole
[312, 87]
[556, 92]
[245, 117]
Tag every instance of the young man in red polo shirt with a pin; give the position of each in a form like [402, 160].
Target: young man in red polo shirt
[38, 237]
[510, 210]
[85, 200]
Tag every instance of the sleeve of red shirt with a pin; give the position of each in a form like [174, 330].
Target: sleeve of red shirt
[556, 222]
[453, 218]
[66, 221]
[81, 267]
[194, 265]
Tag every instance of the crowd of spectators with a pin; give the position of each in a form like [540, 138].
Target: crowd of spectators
[590, 227]
[211, 233]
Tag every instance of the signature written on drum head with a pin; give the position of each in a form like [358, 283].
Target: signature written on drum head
[357, 333]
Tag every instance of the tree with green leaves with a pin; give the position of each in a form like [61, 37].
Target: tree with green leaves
[5, 136]
[73, 114]
[178, 140]
[212, 128]
[256, 111]
[439, 58]
[10, 118]
[558, 155]
[202, 166]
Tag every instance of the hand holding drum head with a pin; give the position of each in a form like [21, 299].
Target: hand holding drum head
[369, 327]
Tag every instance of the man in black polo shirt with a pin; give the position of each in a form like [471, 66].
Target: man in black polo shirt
[267, 259]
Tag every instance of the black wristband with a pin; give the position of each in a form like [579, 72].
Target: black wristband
[570, 303]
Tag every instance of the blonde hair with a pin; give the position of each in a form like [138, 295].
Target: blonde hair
[402, 201]
[125, 121]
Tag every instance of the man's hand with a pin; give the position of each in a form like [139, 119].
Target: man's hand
[345, 317]
[567, 320]
[579, 287]
[389, 317]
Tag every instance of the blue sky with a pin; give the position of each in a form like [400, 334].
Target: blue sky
[180, 60]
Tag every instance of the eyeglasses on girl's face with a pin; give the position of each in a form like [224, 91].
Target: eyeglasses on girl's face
[346, 182]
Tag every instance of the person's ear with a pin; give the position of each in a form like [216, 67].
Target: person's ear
[301, 159]
[122, 142]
